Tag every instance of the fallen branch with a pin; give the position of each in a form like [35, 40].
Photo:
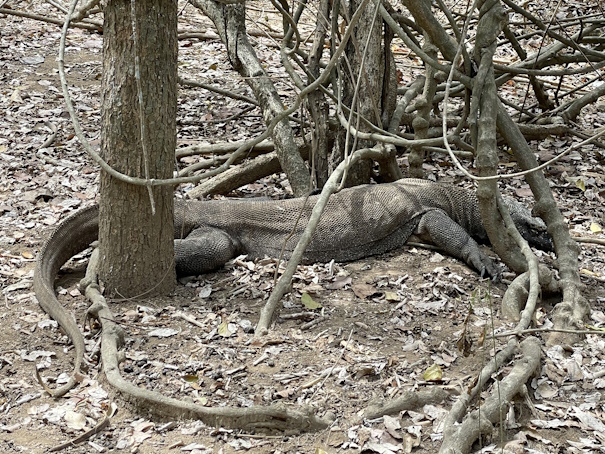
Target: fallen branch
[93, 26]
[586, 239]
[241, 174]
[236, 176]
[224, 148]
[215, 89]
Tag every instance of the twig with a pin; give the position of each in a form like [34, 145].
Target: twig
[215, 89]
[590, 240]
[111, 411]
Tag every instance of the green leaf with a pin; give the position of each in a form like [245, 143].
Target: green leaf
[309, 302]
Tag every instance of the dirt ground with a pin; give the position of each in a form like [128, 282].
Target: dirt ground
[381, 322]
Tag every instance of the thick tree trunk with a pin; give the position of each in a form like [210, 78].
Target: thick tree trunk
[137, 252]
[367, 100]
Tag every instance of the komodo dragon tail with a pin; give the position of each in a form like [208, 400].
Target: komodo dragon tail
[73, 235]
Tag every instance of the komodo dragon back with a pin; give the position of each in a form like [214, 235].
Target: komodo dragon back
[357, 222]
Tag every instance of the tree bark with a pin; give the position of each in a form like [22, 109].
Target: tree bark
[229, 20]
[136, 246]
[421, 122]
[365, 73]
[319, 107]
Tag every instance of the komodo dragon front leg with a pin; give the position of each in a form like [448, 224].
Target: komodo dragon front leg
[441, 230]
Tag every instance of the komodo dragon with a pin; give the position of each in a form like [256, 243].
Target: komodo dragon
[358, 222]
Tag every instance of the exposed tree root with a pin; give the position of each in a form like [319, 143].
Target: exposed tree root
[517, 291]
[280, 417]
[459, 438]
[571, 312]
[459, 433]
[410, 400]
[73, 380]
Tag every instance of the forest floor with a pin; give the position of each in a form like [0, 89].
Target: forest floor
[382, 322]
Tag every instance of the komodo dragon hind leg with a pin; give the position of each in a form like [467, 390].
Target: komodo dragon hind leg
[203, 250]
[446, 233]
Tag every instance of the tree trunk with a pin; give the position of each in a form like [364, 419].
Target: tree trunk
[319, 108]
[367, 101]
[136, 246]
[230, 23]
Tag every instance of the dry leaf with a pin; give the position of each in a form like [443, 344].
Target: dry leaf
[433, 373]
[363, 290]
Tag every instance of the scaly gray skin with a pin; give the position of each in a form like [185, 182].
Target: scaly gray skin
[73, 235]
[358, 222]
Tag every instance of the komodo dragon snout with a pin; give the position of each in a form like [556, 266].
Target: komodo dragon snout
[531, 228]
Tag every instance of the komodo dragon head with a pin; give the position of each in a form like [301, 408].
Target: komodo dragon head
[531, 228]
